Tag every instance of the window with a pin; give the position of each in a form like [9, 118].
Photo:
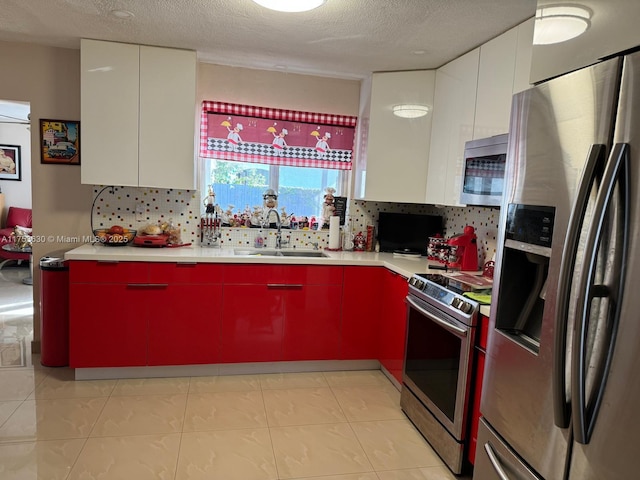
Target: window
[245, 150]
[241, 184]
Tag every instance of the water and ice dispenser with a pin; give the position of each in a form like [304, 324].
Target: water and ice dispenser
[525, 267]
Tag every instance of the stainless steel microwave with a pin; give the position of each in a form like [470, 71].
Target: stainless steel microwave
[483, 171]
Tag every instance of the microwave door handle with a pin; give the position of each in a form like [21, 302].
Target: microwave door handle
[616, 173]
[460, 332]
[592, 171]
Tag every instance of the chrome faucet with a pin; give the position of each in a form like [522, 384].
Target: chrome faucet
[279, 241]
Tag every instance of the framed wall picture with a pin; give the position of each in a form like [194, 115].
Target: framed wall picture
[10, 166]
[60, 142]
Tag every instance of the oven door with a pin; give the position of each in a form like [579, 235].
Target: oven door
[437, 367]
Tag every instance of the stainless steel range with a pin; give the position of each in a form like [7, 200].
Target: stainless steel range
[438, 365]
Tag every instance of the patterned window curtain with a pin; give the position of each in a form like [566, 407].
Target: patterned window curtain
[271, 136]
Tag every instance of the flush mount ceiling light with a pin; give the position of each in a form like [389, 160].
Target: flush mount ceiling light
[290, 5]
[559, 23]
[121, 13]
[410, 111]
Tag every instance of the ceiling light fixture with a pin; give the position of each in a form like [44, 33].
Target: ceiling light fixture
[290, 5]
[559, 23]
[410, 111]
[121, 13]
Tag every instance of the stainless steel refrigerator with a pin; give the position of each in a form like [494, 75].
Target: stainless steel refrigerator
[561, 393]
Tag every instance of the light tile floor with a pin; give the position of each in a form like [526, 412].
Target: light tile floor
[302, 426]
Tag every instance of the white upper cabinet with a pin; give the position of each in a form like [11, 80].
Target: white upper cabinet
[453, 117]
[473, 100]
[523, 57]
[495, 85]
[138, 115]
[613, 28]
[167, 118]
[109, 103]
[397, 150]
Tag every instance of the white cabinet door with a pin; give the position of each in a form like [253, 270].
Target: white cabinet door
[138, 115]
[453, 116]
[495, 85]
[398, 148]
[523, 57]
[109, 113]
[167, 118]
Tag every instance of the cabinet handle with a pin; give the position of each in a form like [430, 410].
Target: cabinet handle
[284, 285]
[186, 263]
[147, 285]
[108, 261]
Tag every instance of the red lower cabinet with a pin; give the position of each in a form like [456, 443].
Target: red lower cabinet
[252, 323]
[124, 314]
[107, 325]
[480, 350]
[185, 327]
[281, 313]
[393, 323]
[312, 323]
[162, 313]
[361, 303]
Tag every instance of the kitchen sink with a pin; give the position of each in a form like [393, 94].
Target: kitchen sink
[293, 253]
[280, 253]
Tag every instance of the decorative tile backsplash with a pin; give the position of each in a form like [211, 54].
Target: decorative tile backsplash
[136, 207]
[483, 219]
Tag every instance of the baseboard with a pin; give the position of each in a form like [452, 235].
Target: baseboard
[225, 369]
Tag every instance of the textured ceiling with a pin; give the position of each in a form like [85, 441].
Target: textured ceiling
[343, 38]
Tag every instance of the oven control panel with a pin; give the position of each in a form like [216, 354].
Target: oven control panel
[433, 290]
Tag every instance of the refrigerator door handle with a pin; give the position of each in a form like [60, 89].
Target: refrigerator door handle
[592, 171]
[584, 415]
[493, 458]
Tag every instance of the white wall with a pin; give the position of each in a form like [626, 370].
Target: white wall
[17, 193]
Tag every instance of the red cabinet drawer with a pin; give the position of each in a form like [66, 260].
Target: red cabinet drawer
[90, 271]
[183, 273]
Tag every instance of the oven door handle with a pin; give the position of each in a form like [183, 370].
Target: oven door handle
[461, 332]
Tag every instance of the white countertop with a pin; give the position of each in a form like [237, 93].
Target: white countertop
[404, 266]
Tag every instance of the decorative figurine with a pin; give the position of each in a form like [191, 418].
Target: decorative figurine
[270, 198]
[209, 201]
[256, 216]
[227, 216]
[328, 207]
[285, 220]
[359, 242]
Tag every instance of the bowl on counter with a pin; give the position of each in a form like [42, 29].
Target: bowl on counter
[106, 237]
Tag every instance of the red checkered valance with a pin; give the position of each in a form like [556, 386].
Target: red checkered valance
[272, 136]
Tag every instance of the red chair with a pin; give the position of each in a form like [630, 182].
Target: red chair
[20, 217]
